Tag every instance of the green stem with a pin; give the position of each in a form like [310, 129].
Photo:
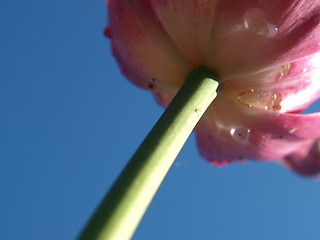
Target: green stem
[121, 210]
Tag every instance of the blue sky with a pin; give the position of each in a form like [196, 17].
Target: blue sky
[70, 121]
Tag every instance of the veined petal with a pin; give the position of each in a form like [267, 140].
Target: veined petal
[232, 131]
[232, 38]
[256, 35]
[189, 24]
[147, 56]
[288, 88]
[266, 53]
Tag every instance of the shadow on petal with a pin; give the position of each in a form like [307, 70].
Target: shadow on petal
[305, 160]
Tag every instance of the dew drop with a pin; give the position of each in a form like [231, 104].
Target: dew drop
[256, 22]
[240, 134]
[293, 130]
[243, 97]
[273, 30]
[260, 99]
[284, 70]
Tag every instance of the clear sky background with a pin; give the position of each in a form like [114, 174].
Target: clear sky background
[69, 122]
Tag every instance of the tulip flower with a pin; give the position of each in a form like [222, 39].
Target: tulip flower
[265, 53]
[265, 56]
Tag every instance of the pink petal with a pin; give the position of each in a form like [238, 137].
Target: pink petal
[264, 52]
[165, 39]
[147, 56]
[232, 131]
[305, 160]
[293, 86]
[257, 35]
[189, 24]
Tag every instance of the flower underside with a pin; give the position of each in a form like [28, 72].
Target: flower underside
[266, 54]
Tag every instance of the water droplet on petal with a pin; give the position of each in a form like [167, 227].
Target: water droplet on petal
[107, 32]
[243, 97]
[284, 70]
[240, 134]
[293, 130]
[256, 22]
[260, 99]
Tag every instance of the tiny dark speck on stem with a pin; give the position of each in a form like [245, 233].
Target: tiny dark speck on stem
[151, 85]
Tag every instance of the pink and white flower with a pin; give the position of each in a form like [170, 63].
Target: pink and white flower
[266, 53]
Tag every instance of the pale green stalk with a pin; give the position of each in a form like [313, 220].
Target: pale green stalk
[121, 210]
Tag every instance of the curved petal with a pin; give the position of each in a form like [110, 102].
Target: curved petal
[263, 52]
[189, 24]
[145, 53]
[164, 39]
[232, 131]
[305, 160]
[257, 35]
[293, 86]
